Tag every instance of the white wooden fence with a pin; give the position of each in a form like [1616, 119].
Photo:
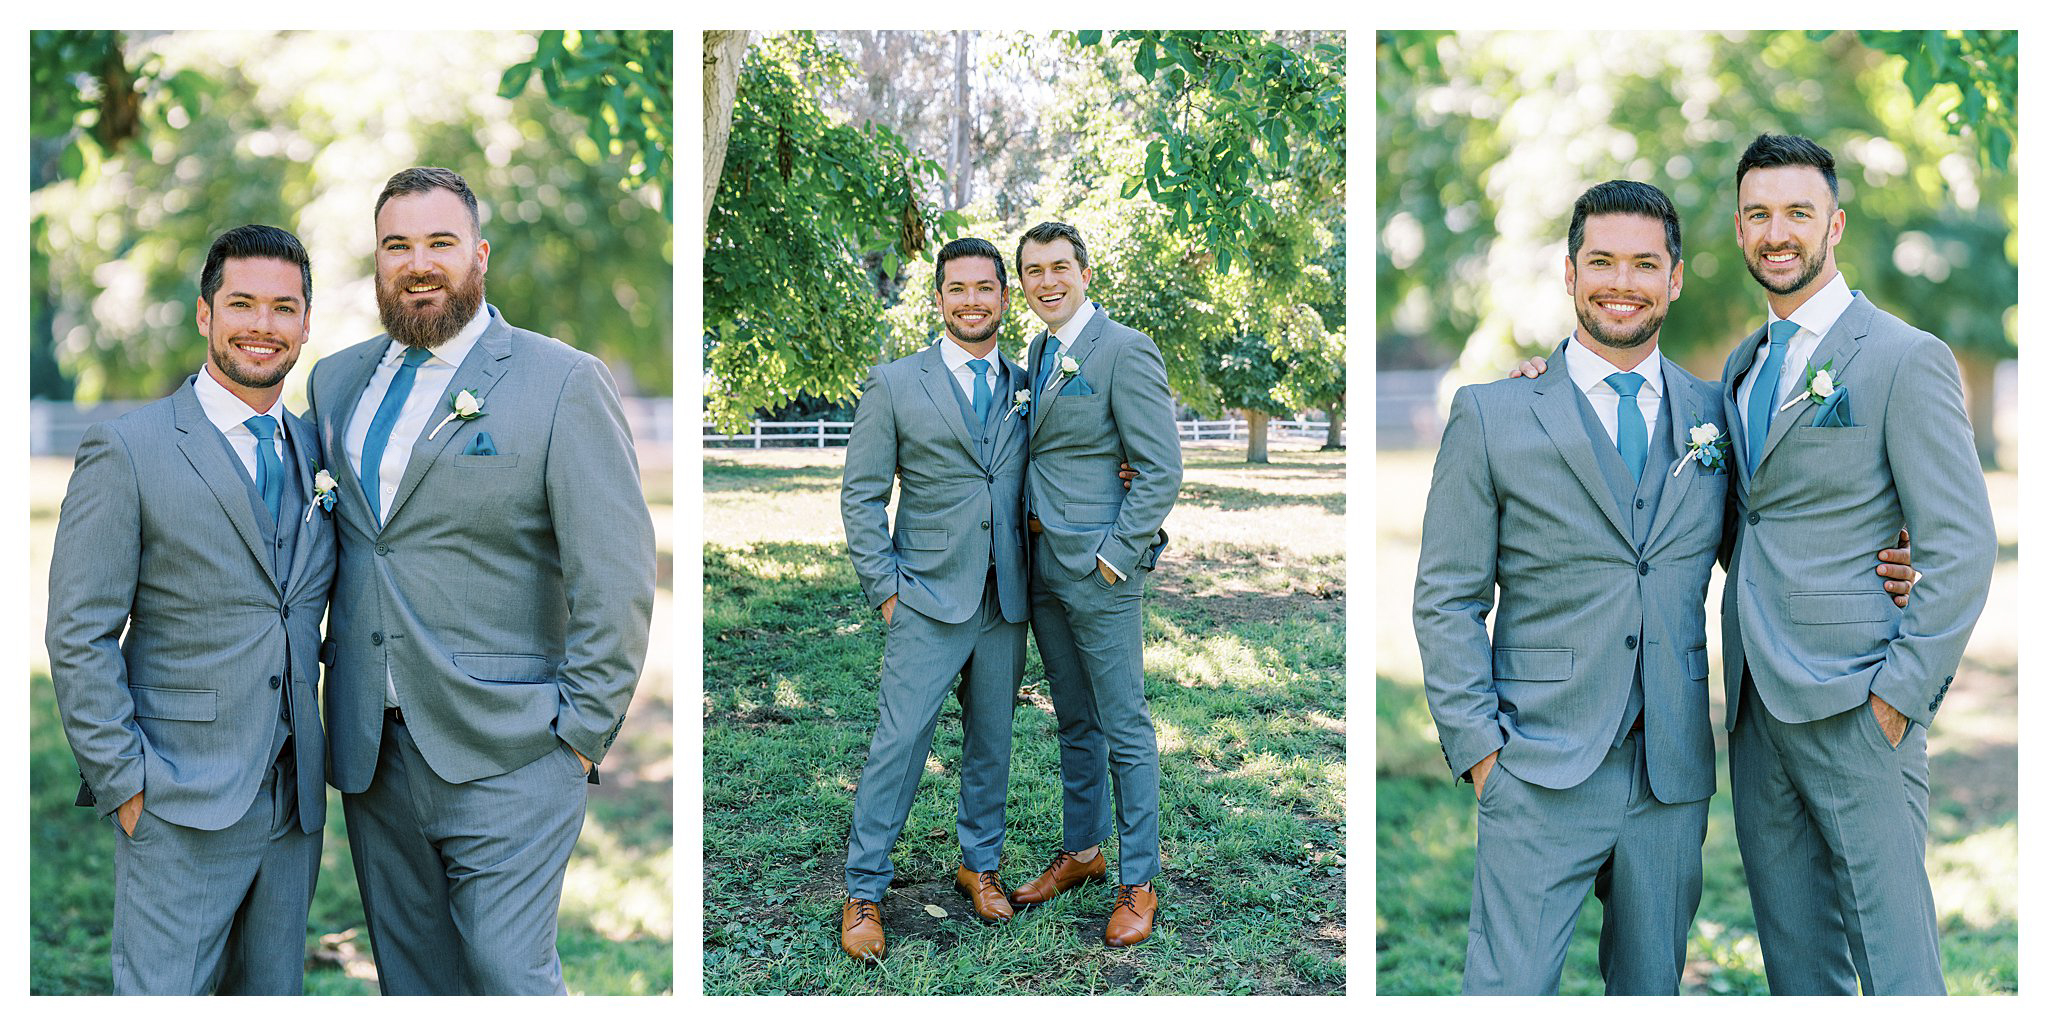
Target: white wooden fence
[822, 433]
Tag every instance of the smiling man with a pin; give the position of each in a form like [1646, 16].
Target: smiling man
[948, 581]
[1848, 423]
[188, 538]
[490, 612]
[1099, 398]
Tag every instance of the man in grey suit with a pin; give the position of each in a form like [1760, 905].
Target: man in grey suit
[1848, 423]
[490, 611]
[949, 580]
[1099, 399]
[1582, 722]
[195, 525]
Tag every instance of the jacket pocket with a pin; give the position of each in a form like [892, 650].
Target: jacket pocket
[173, 704]
[481, 462]
[1819, 607]
[1091, 512]
[923, 539]
[1533, 663]
[1696, 663]
[505, 669]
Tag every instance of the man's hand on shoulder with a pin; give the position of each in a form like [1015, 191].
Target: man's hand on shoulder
[1896, 567]
[1484, 768]
[130, 811]
[1532, 367]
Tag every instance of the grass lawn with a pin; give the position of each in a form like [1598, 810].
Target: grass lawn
[1244, 660]
[617, 934]
[1425, 828]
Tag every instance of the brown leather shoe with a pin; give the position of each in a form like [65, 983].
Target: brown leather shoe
[1065, 874]
[860, 929]
[985, 892]
[1130, 921]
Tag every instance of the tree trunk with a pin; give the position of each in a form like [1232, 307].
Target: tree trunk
[1255, 426]
[1335, 438]
[1980, 378]
[723, 52]
[962, 161]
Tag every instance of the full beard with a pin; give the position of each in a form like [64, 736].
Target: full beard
[1809, 269]
[1589, 320]
[425, 329]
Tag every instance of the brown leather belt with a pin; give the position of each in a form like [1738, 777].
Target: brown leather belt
[1036, 527]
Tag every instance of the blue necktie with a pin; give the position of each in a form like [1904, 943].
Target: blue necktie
[1048, 362]
[269, 469]
[381, 424]
[1630, 435]
[981, 393]
[1763, 396]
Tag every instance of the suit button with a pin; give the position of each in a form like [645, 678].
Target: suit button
[382, 549]
[286, 612]
[1946, 681]
[1639, 504]
[1631, 642]
[376, 637]
[991, 479]
[1753, 518]
[1643, 568]
[984, 525]
[273, 683]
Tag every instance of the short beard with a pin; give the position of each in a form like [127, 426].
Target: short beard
[1647, 331]
[988, 329]
[1809, 269]
[427, 330]
[221, 353]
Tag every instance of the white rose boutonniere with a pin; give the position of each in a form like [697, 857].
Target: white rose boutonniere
[1820, 384]
[1068, 365]
[323, 491]
[1019, 402]
[1066, 368]
[464, 405]
[1707, 444]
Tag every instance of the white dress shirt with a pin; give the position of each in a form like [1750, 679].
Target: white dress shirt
[422, 405]
[956, 358]
[1815, 317]
[226, 411]
[1589, 371]
[429, 380]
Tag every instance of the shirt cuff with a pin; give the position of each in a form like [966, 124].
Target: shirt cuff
[1113, 570]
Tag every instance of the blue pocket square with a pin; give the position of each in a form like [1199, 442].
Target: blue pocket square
[1834, 412]
[480, 445]
[1078, 386]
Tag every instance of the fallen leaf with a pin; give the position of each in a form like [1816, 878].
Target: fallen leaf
[935, 911]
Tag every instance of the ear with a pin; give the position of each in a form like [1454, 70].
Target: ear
[203, 316]
[1677, 279]
[1835, 226]
[483, 255]
[1571, 277]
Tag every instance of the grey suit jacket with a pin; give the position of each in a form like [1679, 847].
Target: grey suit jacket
[157, 536]
[509, 595]
[1517, 504]
[1078, 440]
[1803, 610]
[957, 507]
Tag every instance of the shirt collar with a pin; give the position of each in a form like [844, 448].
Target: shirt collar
[226, 411]
[957, 356]
[455, 349]
[1589, 369]
[1070, 332]
[1820, 311]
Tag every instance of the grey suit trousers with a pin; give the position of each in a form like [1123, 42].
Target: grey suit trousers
[1832, 824]
[1541, 849]
[920, 662]
[1091, 639]
[462, 883]
[216, 911]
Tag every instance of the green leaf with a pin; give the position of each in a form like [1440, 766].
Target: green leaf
[1147, 60]
[514, 81]
[1089, 37]
[1132, 185]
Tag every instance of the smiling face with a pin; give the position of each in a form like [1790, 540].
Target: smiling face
[1623, 281]
[971, 302]
[1054, 282]
[430, 267]
[254, 325]
[1788, 224]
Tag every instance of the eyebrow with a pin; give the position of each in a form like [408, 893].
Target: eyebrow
[430, 235]
[1795, 204]
[1648, 254]
[251, 295]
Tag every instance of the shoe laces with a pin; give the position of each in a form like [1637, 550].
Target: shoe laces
[1060, 860]
[1127, 897]
[988, 879]
[864, 910]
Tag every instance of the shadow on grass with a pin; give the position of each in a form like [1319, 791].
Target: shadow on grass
[1250, 718]
[724, 474]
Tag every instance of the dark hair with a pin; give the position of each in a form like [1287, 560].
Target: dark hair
[1769, 150]
[1047, 231]
[962, 248]
[1623, 197]
[253, 240]
[427, 179]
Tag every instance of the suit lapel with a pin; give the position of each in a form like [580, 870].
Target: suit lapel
[938, 387]
[355, 378]
[1685, 401]
[1006, 421]
[1556, 409]
[1090, 336]
[201, 444]
[1840, 345]
[1739, 365]
[303, 543]
[480, 371]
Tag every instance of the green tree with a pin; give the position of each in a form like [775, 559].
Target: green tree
[804, 209]
[622, 84]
